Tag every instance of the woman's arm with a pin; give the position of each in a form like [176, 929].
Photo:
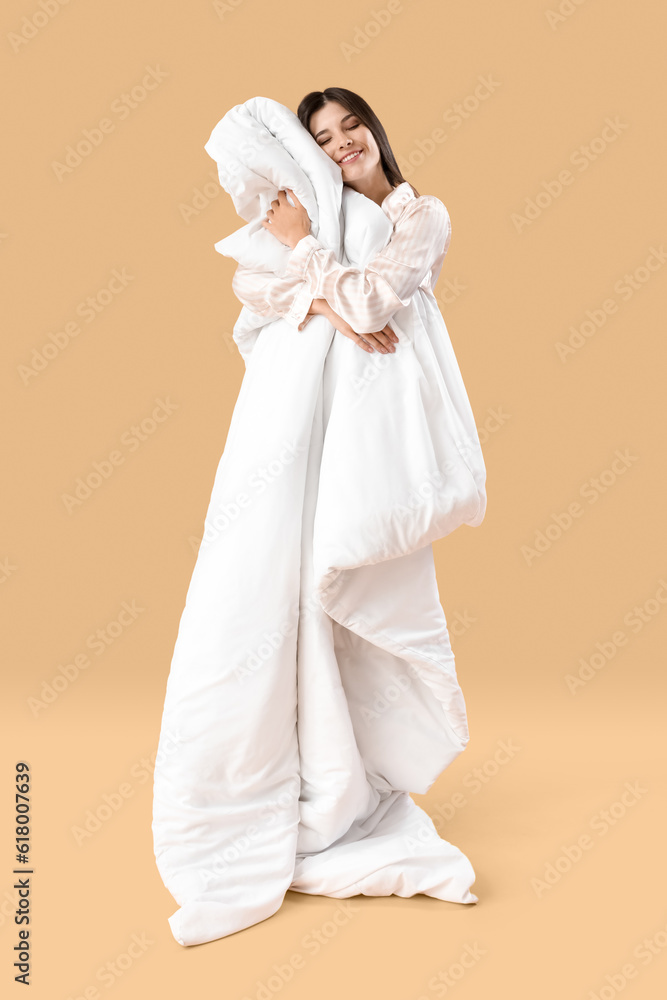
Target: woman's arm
[269, 296]
[265, 294]
[368, 299]
[380, 340]
[365, 300]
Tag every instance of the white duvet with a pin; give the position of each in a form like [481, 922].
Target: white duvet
[313, 685]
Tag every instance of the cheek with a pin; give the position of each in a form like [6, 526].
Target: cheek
[371, 146]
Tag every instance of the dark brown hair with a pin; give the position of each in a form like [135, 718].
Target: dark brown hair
[355, 104]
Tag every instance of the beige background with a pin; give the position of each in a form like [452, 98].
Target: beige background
[520, 625]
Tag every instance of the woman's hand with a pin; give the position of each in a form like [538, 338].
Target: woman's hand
[383, 340]
[287, 223]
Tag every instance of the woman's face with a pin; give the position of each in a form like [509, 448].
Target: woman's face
[346, 140]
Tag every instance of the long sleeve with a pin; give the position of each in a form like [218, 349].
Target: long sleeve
[267, 295]
[368, 299]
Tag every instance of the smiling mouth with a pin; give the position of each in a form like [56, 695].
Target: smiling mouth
[350, 158]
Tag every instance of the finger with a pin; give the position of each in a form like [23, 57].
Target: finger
[387, 329]
[372, 339]
[359, 341]
[385, 341]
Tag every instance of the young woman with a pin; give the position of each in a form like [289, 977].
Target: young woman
[313, 684]
[357, 303]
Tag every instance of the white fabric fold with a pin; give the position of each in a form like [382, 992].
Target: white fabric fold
[313, 684]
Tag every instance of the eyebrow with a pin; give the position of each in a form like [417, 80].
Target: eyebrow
[343, 119]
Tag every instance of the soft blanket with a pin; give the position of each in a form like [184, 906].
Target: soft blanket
[313, 685]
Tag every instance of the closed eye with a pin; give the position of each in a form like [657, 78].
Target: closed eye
[350, 129]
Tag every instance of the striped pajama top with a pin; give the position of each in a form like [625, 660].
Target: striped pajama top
[411, 259]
